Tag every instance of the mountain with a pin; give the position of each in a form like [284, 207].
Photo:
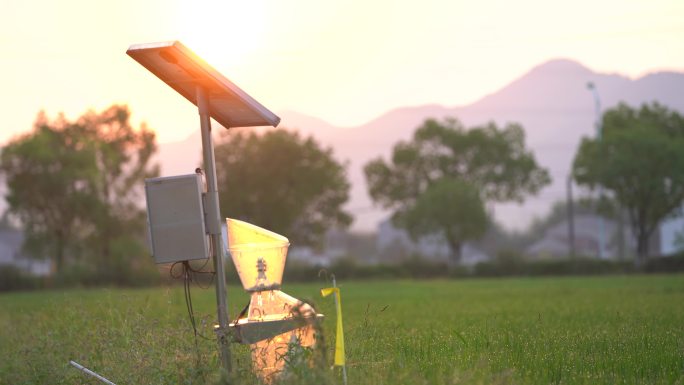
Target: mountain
[551, 101]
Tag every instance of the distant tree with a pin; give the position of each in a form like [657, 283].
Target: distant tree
[123, 160]
[74, 187]
[639, 159]
[491, 160]
[49, 177]
[282, 182]
[451, 207]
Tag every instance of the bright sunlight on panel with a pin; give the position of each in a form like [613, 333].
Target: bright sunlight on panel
[224, 32]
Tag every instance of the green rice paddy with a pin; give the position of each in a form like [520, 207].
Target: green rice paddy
[598, 330]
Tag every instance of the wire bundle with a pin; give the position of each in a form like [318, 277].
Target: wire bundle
[189, 274]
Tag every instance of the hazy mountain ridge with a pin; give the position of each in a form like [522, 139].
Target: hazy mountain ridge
[551, 101]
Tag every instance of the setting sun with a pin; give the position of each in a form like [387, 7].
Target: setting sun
[224, 33]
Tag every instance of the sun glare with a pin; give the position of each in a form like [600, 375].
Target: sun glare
[224, 33]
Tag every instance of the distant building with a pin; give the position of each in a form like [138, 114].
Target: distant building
[333, 248]
[671, 235]
[395, 244]
[11, 242]
[359, 247]
[555, 241]
[666, 239]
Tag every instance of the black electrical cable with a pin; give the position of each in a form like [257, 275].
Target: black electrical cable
[176, 276]
[188, 301]
[186, 274]
[201, 270]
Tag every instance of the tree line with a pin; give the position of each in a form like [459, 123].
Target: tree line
[75, 187]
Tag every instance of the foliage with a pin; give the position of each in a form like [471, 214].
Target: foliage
[509, 264]
[592, 330]
[123, 161]
[506, 264]
[492, 160]
[12, 278]
[449, 206]
[49, 174]
[639, 159]
[283, 182]
[666, 264]
[76, 187]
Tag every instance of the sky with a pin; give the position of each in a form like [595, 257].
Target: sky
[346, 62]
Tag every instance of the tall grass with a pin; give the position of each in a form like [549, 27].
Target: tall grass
[601, 330]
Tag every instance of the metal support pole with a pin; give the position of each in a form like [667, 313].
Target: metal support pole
[213, 220]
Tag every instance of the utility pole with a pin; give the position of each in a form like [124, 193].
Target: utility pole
[571, 219]
[598, 125]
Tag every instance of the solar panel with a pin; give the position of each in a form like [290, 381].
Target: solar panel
[184, 71]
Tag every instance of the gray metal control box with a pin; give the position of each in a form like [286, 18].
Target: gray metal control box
[175, 217]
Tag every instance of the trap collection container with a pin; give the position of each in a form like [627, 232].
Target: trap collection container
[275, 321]
[259, 255]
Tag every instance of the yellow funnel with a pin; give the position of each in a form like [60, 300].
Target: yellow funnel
[259, 255]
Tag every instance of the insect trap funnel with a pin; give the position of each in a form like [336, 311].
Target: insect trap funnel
[274, 323]
[259, 255]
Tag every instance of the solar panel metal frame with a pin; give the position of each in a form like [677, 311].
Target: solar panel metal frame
[183, 70]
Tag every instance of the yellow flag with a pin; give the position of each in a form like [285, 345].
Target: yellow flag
[339, 339]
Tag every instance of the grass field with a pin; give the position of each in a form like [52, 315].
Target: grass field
[603, 330]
